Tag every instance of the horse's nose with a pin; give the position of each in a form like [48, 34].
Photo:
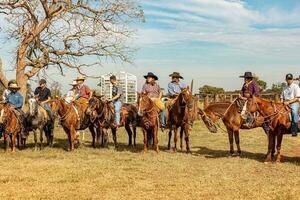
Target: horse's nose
[140, 113]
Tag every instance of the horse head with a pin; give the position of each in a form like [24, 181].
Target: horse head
[252, 106]
[186, 96]
[32, 107]
[93, 106]
[144, 103]
[56, 104]
[211, 126]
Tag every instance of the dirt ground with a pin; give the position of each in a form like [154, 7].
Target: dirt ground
[128, 173]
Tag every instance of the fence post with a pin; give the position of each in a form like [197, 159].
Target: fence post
[216, 98]
[206, 102]
[277, 99]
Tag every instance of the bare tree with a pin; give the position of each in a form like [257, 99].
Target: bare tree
[65, 34]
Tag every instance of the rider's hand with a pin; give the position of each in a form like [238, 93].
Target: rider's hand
[286, 103]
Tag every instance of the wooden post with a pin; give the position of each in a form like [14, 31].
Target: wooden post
[206, 102]
[231, 98]
[216, 98]
[277, 99]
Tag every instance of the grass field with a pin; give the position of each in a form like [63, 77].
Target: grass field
[127, 173]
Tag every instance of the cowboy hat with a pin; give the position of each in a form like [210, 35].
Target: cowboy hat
[80, 78]
[97, 93]
[247, 75]
[73, 83]
[14, 86]
[176, 75]
[150, 74]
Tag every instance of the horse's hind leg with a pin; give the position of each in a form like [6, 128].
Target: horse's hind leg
[114, 134]
[145, 133]
[175, 140]
[134, 135]
[35, 139]
[230, 137]
[155, 136]
[92, 130]
[129, 132]
[169, 141]
[270, 147]
[181, 138]
[41, 138]
[13, 142]
[6, 141]
[278, 146]
[187, 139]
[237, 142]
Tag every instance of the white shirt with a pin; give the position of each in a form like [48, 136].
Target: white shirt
[290, 92]
[70, 96]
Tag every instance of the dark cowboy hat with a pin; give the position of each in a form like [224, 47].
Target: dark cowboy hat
[14, 86]
[150, 74]
[247, 75]
[42, 81]
[176, 75]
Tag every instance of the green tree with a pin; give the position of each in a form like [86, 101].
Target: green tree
[207, 89]
[276, 88]
[262, 84]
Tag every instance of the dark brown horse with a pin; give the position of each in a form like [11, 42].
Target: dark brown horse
[230, 113]
[102, 115]
[182, 115]
[277, 115]
[12, 126]
[129, 116]
[149, 114]
[72, 118]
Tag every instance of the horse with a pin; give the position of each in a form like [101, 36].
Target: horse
[129, 116]
[278, 116]
[38, 119]
[72, 117]
[102, 115]
[232, 119]
[12, 126]
[149, 114]
[182, 115]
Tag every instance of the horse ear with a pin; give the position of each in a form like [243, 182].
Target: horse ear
[188, 87]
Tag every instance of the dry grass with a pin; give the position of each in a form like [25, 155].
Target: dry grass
[127, 173]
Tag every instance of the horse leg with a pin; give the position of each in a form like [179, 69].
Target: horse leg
[129, 132]
[134, 135]
[181, 138]
[93, 135]
[114, 134]
[6, 141]
[145, 133]
[72, 134]
[273, 148]
[230, 137]
[13, 142]
[155, 136]
[41, 138]
[105, 137]
[175, 140]
[237, 142]
[18, 141]
[35, 140]
[169, 141]
[270, 147]
[187, 139]
[278, 146]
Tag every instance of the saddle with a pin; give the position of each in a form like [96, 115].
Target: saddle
[45, 113]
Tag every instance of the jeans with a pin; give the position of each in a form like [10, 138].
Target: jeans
[163, 116]
[295, 117]
[118, 106]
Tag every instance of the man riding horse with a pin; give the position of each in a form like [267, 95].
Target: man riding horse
[153, 90]
[83, 93]
[117, 92]
[290, 96]
[174, 89]
[43, 96]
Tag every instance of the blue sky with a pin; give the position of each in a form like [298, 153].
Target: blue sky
[213, 41]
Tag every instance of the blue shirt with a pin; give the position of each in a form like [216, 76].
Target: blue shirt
[15, 99]
[175, 88]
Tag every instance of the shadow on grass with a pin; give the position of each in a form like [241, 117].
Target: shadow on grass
[215, 154]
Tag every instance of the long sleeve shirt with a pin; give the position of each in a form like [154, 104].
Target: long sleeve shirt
[153, 90]
[251, 88]
[15, 99]
[175, 88]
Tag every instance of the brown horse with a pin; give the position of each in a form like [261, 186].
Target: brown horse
[129, 116]
[102, 115]
[277, 115]
[72, 118]
[182, 115]
[231, 117]
[149, 114]
[12, 126]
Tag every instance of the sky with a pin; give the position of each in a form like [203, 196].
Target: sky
[210, 41]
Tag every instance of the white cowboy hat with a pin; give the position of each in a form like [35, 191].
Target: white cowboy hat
[73, 83]
[80, 78]
[14, 86]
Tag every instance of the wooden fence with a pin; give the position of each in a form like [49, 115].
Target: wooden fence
[206, 99]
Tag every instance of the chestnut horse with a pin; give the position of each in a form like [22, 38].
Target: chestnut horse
[182, 115]
[149, 114]
[129, 116]
[231, 117]
[278, 116]
[12, 126]
[72, 118]
[102, 115]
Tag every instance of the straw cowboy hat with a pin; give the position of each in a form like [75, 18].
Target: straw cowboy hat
[80, 78]
[247, 75]
[74, 83]
[176, 75]
[14, 86]
[150, 74]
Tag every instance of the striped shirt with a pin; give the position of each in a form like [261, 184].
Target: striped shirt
[153, 90]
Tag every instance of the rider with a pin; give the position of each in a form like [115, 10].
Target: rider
[72, 92]
[174, 89]
[117, 92]
[7, 91]
[43, 96]
[290, 96]
[83, 93]
[15, 99]
[154, 93]
[250, 88]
